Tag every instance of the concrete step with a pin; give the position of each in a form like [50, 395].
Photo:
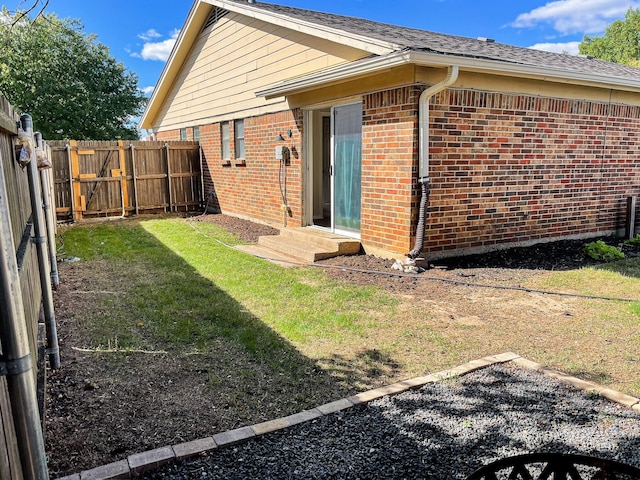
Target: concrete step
[310, 244]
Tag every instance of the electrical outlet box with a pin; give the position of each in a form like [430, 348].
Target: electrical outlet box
[279, 152]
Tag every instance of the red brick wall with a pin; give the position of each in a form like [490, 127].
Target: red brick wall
[508, 168]
[252, 188]
[389, 166]
[168, 136]
[504, 168]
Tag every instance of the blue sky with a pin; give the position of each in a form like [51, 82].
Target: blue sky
[140, 33]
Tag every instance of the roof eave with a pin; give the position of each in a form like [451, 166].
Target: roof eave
[371, 65]
[341, 72]
[527, 71]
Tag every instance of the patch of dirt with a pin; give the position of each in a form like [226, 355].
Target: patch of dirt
[244, 229]
[104, 406]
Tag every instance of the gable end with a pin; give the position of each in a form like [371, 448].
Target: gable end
[216, 14]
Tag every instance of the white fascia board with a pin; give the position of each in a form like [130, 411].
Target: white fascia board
[361, 42]
[528, 71]
[371, 65]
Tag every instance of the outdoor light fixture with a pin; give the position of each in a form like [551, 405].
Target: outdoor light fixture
[280, 138]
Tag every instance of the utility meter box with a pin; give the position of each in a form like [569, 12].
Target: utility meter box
[279, 152]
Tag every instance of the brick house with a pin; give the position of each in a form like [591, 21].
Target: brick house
[309, 119]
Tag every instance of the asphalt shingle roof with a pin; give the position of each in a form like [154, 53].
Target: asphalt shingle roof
[457, 46]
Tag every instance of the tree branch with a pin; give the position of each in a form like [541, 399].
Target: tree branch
[22, 14]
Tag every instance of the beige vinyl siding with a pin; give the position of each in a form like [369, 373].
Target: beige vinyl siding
[233, 59]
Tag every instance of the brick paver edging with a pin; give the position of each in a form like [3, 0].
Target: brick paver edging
[140, 462]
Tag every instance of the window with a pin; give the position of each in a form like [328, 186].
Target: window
[196, 134]
[238, 127]
[183, 134]
[226, 145]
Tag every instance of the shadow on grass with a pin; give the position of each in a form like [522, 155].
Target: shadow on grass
[155, 354]
[629, 267]
[365, 370]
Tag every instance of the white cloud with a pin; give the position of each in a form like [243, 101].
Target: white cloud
[569, 47]
[148, 90]
[149, 34]
[576, 16]
[156, 50]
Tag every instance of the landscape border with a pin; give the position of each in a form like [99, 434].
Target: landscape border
[149, 460]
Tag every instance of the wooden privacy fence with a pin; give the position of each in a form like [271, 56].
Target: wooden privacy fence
[116, 178]
[27, 238]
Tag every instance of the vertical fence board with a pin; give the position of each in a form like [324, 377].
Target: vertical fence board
[9, 456]
[103, 175]
[20, 217]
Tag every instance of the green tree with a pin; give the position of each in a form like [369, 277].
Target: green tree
[620, 42]
[68, 82]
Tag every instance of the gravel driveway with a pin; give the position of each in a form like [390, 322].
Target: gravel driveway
[445, 430]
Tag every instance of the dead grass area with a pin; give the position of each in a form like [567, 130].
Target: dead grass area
[108, 403]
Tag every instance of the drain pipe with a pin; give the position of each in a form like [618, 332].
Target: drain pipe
[49, 211]
[40, 240]
[423, 166]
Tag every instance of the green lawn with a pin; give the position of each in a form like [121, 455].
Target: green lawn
[178, 285]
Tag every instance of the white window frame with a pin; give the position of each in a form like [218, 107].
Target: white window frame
[225, 141]
[239, 144]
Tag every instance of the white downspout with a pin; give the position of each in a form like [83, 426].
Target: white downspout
[423, 119]
[423, 153]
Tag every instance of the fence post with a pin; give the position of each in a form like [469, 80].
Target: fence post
[166, 149]
[203, 202]
[123, 174]
[76, 191]
[135, 177]
[16, 356]
[40, 241]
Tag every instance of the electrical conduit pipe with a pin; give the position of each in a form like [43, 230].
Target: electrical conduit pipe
[423, 154]
[49, 212]
[40, 239]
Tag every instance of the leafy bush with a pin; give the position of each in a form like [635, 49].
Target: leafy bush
[634, 241]
[601, 251]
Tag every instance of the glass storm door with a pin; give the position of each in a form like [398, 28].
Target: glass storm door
[346, 167]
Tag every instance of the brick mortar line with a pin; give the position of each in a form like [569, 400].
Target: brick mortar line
[140, 462]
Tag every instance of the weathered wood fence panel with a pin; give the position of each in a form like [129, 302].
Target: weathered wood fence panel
[18, 459]
[9, 455]
[99, 179]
